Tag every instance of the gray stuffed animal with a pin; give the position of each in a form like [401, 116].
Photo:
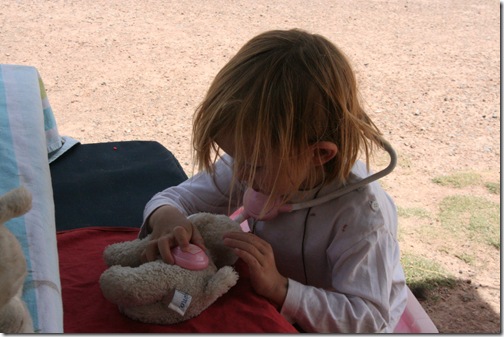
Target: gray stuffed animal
[160, 293]
[14, 315]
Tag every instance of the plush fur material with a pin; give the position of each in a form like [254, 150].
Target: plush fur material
[14, 315]
[143, 292]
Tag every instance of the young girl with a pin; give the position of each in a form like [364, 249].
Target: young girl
[283, 117]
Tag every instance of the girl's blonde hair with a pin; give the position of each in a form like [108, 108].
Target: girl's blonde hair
[282, 92]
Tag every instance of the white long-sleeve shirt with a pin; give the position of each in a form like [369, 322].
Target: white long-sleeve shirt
[341, 258]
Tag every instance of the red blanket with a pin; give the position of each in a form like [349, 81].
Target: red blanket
[85, 310]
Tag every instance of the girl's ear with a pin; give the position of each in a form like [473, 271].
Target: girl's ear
[323, 152]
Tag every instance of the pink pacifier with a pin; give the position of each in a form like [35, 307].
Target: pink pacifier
[194, 259]
[254, 203]
[253, 207]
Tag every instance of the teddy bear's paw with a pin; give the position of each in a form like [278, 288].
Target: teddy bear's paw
[221, 282]
[14, 203]
[126, 253]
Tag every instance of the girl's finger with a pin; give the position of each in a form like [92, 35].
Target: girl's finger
[248, 258]
[150, 252]
[259, 244]
[243, 246]
[197, 239]
[181, 237]
[164, 248]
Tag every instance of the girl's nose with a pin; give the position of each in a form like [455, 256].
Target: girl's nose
[243, 172]
[240, 174]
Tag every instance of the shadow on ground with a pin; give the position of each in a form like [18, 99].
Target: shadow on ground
[456, 307]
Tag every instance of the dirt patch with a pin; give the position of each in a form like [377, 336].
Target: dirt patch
[429, 73]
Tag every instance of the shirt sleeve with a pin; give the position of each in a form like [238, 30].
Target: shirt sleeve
[367, 281]
[203, 192]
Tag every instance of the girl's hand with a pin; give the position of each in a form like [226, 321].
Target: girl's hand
[170, 228]
[258, 255]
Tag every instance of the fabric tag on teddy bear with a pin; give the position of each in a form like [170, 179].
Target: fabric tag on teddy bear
[180, 302]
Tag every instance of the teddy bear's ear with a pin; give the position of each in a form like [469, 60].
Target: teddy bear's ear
[126, 253]
[212, 227]
[14, 203]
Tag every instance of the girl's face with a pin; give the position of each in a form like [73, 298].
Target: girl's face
[269, 176]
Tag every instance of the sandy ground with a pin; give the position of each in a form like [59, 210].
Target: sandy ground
[429, 72]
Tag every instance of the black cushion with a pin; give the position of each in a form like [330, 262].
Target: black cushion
[108, 184]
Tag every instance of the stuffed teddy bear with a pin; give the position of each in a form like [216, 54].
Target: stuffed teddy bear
[160, 293]
[14, 315]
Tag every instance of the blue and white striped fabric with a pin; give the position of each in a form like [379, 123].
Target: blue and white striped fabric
[28, 134]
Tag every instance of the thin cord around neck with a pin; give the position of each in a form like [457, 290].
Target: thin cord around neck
[304, 236]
